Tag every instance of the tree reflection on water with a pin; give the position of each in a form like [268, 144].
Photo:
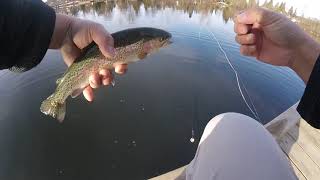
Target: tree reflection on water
[228, 8]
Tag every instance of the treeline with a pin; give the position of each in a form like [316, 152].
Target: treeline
[227, 7]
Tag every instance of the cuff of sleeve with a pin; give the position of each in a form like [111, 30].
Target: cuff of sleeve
[309, 106]
[38, 36]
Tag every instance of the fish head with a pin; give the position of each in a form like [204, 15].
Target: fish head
[154, 39]
[147, 38]
[157, 37]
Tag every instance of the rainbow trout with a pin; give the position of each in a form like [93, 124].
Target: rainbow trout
[130, 46]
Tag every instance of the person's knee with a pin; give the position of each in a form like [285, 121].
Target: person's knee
[232, 120]
[232, 116]
[230, 123]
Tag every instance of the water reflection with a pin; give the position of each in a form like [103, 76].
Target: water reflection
[205, 7]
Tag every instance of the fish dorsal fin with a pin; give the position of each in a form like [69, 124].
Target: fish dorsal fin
[142, 55]
[76, 92]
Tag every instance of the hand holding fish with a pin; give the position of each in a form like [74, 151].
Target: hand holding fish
[72, 34]
[130, 45]
[274, 39]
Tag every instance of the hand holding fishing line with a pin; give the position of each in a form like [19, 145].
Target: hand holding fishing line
[72, 34]
[274, 39]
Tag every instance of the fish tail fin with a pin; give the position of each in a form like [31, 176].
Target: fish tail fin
[53, 108]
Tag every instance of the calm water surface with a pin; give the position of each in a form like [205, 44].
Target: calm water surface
[141, 127]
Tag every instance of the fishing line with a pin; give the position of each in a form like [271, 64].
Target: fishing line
[195, 103]
[251, 102]
[199, 34]
[253, 111]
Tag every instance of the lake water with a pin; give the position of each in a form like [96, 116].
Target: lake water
[141, 127]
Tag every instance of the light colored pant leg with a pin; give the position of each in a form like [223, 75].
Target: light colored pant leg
[237, 147]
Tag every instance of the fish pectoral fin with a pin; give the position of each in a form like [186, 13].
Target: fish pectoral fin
[142, 55]
[113, 82]
[58, 81]
[61, 112]
[76, 92]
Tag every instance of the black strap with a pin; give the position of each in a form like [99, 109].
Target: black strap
[309, 106]
[26, 27]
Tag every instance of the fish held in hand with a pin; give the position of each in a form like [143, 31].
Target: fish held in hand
[130, 46]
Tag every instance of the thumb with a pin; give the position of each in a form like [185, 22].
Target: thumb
[255, 16]
[69, 52]
[103, 39]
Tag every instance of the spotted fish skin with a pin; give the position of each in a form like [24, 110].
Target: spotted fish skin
[128, 49]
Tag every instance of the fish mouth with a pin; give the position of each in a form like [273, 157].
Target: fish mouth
[166, 38]
[166, 42]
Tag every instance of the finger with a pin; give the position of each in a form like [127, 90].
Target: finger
[103, 39]
[94, 80]
[88, 94]
[255, 15]
[236, 14]
[106, 76]
[247, 39]
[70, 52]
[107, 81]
[242, 28]
[249, 50]
[121, 68]
[105, 73]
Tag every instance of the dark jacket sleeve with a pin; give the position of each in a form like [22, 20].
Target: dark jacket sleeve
[309, 106]
[26, 27]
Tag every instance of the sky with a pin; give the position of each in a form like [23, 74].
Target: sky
[310, 8]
